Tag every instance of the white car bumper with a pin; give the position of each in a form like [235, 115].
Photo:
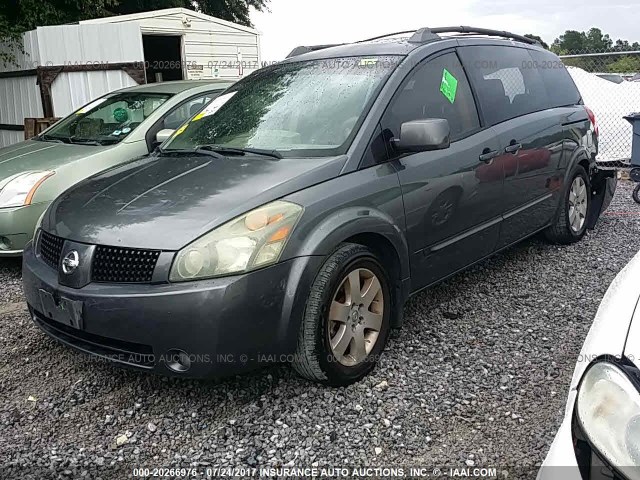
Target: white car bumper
[561, 463]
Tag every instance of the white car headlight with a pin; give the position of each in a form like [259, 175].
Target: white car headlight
[253, 240]
[608, 409]
[20, 189]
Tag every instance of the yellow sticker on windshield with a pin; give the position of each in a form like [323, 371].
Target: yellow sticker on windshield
[181, 129]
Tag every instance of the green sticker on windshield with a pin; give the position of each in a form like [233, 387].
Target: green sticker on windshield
[449, 85]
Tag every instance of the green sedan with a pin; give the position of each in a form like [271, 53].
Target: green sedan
[111, 130]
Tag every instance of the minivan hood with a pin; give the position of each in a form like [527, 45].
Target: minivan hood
[166, 202]
[36, 155]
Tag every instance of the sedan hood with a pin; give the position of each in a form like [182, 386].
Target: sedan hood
[632, 345]
[35, 155]
[167, 202]
[613, 331]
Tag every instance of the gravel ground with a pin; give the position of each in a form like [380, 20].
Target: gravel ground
[479, 374]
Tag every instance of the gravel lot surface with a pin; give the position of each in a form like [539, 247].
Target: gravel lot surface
[479, 375]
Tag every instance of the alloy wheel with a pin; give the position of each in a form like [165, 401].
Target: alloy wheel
[355, 316]
[577, 204]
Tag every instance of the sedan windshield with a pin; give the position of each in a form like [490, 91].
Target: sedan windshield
[107, 120]
[311, 108]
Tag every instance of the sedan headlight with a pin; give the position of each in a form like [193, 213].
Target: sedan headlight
[253, 240]
[20, 189]
[608, 409]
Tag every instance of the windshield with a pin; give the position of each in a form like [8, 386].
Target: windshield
[107, 120]
[308, 108]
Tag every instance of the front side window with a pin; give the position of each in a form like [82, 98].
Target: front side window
[186, 111]
[310, 108]
[107, 120]
[436, 89]
[508, 83]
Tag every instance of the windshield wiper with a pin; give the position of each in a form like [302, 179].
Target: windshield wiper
[241, 151]
[46, 138]
[86, 142]
[186, 151]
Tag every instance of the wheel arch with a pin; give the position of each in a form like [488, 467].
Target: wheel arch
[364, 226]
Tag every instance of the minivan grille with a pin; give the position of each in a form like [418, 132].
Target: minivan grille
[123, 265]
[50, 248]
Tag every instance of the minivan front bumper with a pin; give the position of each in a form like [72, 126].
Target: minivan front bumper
[213, 327]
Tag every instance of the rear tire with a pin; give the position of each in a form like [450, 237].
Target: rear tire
[571, 223]
[347, 318]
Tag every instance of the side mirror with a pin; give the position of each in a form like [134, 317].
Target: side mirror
[423, 135]
[163, 135]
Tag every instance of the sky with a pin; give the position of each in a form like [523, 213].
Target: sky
[290, 23]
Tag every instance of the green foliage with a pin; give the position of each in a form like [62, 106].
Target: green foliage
[573, 42]
[594, 41]
[538, 39]
[626, 64]
[20, 16]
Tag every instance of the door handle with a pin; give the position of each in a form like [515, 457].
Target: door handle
[513, 148]
[488, 155]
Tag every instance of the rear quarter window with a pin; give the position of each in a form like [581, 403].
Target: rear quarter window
[561, 90]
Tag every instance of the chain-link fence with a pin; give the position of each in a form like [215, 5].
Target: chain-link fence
[610, 86]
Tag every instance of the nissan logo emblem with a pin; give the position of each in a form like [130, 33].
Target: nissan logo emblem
[70, 262]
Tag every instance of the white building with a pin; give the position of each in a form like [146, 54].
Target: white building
[67, 66]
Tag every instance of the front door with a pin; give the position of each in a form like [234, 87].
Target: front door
[451, 196]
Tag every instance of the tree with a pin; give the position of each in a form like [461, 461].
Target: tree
[538, 39]
[595, 41]
[20, 16]
[571, 41]
[574, 42]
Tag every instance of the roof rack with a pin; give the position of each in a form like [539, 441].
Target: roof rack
[427, 34]
[424, 35]
[311, 48]
[385, 36]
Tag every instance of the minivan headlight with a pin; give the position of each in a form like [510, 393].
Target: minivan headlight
[250, 241]
[20, 189]
[608, 409]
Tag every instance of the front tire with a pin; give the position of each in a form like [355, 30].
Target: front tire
[571, 224]
[636, 194]
[347, 318]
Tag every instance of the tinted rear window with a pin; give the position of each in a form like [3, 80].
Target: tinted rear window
[561, 90]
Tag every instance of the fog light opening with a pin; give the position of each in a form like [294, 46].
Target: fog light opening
[5, 243]
[177, 360]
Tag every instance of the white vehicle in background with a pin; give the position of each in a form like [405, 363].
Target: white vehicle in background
[600, 435]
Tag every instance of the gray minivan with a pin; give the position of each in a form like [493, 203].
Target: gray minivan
[292, 218]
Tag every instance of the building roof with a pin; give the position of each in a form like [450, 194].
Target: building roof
[169, 11]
